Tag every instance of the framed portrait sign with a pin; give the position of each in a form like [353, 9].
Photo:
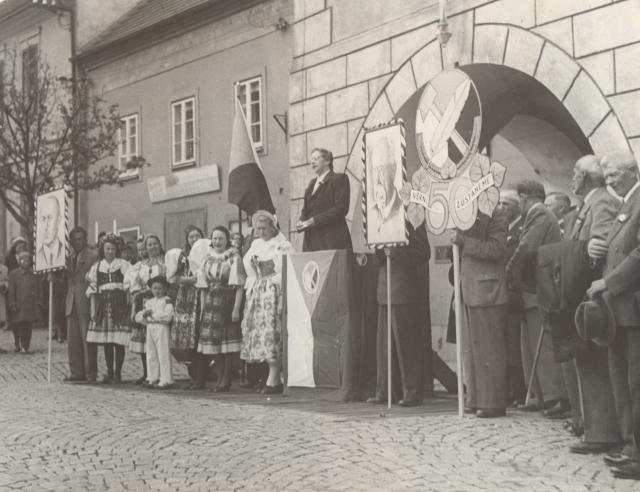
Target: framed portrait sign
[51, 231]
[385, 175]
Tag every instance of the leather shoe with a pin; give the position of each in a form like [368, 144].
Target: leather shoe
[617, 459]
[630, 471]
[73, 379]
[408, 403]
[490, 413]
[273, 390]
[592, 447]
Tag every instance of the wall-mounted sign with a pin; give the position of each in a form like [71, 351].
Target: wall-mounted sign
[183, 183]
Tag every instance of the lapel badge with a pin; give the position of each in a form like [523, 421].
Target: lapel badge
[622, 218]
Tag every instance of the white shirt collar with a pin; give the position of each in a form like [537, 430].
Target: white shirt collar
[323, 176]
[625, 199]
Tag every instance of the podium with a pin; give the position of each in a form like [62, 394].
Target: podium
[329, 322]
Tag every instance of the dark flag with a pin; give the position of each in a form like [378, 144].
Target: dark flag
[247, 185]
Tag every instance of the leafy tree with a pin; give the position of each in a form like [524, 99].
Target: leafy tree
[52, 132]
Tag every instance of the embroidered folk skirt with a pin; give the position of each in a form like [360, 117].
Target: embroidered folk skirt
[218, 333]
[185, 326]
[261, 325]
[111, 319]
[138, 332]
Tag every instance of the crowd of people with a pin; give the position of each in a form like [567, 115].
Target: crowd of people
[550, 296]
[552, 310]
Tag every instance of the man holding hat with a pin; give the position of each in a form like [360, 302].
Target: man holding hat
[594, 220]
[621, 280]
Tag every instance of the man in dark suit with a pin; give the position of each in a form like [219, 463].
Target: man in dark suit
[621, 278]
[484, 330]
[510, 203]
[326, 204]
[82, 355]
[407, 323]
[540, 227]
[595, 403]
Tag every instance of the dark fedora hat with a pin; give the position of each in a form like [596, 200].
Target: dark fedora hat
[595, 320]
[158, 279]
[523, 273]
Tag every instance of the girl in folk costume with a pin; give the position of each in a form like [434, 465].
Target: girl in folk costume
[109, 325]
[185, 329]
[139, 275]
[261, 325]
[221, 297]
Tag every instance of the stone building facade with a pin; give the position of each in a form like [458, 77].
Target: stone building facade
[360, 63]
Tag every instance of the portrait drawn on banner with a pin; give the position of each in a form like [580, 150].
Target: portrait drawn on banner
[51, 231]
[385, 175]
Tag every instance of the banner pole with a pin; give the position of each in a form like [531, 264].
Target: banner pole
[50, 326]
[387, 252]
[458, 312]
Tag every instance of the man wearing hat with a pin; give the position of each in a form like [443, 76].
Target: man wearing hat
[621, 280]
[540, 227]
[594, 220]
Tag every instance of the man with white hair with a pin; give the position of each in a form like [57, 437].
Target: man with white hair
[386, 221]
[593, 399]
[621, 278]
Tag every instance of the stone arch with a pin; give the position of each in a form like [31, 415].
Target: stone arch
[514, 47]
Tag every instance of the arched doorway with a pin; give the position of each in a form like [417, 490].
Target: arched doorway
[541, 111]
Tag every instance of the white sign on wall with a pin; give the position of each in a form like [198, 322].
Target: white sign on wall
[183, 183]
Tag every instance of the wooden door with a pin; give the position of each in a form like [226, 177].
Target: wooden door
[176, 222]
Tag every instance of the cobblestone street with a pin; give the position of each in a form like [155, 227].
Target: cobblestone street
[93, 437]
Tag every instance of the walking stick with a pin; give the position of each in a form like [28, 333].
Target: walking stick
[535, 365]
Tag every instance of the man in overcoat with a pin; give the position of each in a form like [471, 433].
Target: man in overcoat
[484, 330]
[595, 219]
[540, 227]
[621, 278]
[326, 204]
[82, 355]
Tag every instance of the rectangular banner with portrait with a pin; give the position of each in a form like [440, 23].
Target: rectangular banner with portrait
[385, 174]
[51, 231]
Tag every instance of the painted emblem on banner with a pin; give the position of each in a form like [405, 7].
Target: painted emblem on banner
[454, 180]
[311, 277]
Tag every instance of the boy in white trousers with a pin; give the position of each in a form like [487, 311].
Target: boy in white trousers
[157, 315]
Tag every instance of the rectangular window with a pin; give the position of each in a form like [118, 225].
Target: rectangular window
[249, 93]
[183, 120]
[29, 68]
[128, 145]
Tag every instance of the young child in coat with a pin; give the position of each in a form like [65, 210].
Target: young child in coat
[24, 301]
[157, 316]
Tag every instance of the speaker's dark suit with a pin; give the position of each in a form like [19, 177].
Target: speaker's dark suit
[328, 207]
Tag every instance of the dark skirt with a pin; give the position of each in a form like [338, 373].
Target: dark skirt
[218, 334]
[111, 319]
[138, 332]
[185, 326]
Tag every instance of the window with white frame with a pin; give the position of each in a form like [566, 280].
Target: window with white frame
[29, 68]
[128, 148]
[249, 93]
[183, 119]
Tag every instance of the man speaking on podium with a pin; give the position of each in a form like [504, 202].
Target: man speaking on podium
[326, 203]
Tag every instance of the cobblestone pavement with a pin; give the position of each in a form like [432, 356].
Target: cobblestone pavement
[94, 437]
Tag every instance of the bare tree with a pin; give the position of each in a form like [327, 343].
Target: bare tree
[52, 130]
